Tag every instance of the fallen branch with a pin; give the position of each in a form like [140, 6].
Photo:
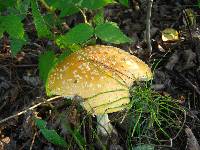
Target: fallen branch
[28, 109]
[192, 143]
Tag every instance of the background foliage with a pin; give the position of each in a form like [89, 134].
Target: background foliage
[49, 14]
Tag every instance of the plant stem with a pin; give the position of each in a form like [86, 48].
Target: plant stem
[84, 15]
[148, 26]
[46, 5]
[29, 109]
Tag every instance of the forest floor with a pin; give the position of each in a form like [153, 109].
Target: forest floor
[177, 74]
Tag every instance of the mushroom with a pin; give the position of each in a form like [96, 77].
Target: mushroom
[102, 76]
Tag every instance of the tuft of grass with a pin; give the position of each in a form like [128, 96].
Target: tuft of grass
[153, 118]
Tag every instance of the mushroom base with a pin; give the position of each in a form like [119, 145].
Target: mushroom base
[104, 127]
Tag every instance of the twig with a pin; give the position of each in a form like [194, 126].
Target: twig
[28, 109]
[191, 84]
[33, 140]
[148, 26]
[84, 15]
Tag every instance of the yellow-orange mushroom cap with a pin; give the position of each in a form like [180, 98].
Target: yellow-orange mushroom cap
[101, 75]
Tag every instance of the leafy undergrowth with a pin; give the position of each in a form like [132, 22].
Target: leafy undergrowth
[158, 116]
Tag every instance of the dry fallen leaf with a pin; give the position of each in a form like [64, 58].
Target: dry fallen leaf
[191, 17]
[170, 34]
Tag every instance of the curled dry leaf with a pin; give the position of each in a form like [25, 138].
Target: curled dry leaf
[170, 35]
[190, 16]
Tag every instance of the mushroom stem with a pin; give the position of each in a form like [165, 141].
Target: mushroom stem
[104, 127]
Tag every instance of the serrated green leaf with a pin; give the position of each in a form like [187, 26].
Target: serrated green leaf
[144, 147]
[111, 33]
[22, 6]
[47, 61]
[41, 124]
[124, 2]
[13, 11]
[40, 25]
[70, 10]
[95, 4]
[77, 35]
[1, 32]
[50, 18]
[53, 20]
[67, 8]
[50, 135]
[4, 4]
[198, 3]
[62, 3]
[16, 45]
[53, 137]
[74, 47]
[99, 17]
[13, 26]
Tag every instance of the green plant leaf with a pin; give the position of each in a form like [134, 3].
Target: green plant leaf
[110, 32]
[67, 8]
[198, 3]
[99, 17]
[95, 4]
[13, 26]
[62, 3]
[41, 124]
[1, 32]
[74, 47]
[69, 11]
[124, 2]
[53, 137]
[144, 147]
[50, 135]
[16, 45]
[51, 19]
[77, 35]
[22, 6]
[40, 25]
[4, 4]
[47, 61]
